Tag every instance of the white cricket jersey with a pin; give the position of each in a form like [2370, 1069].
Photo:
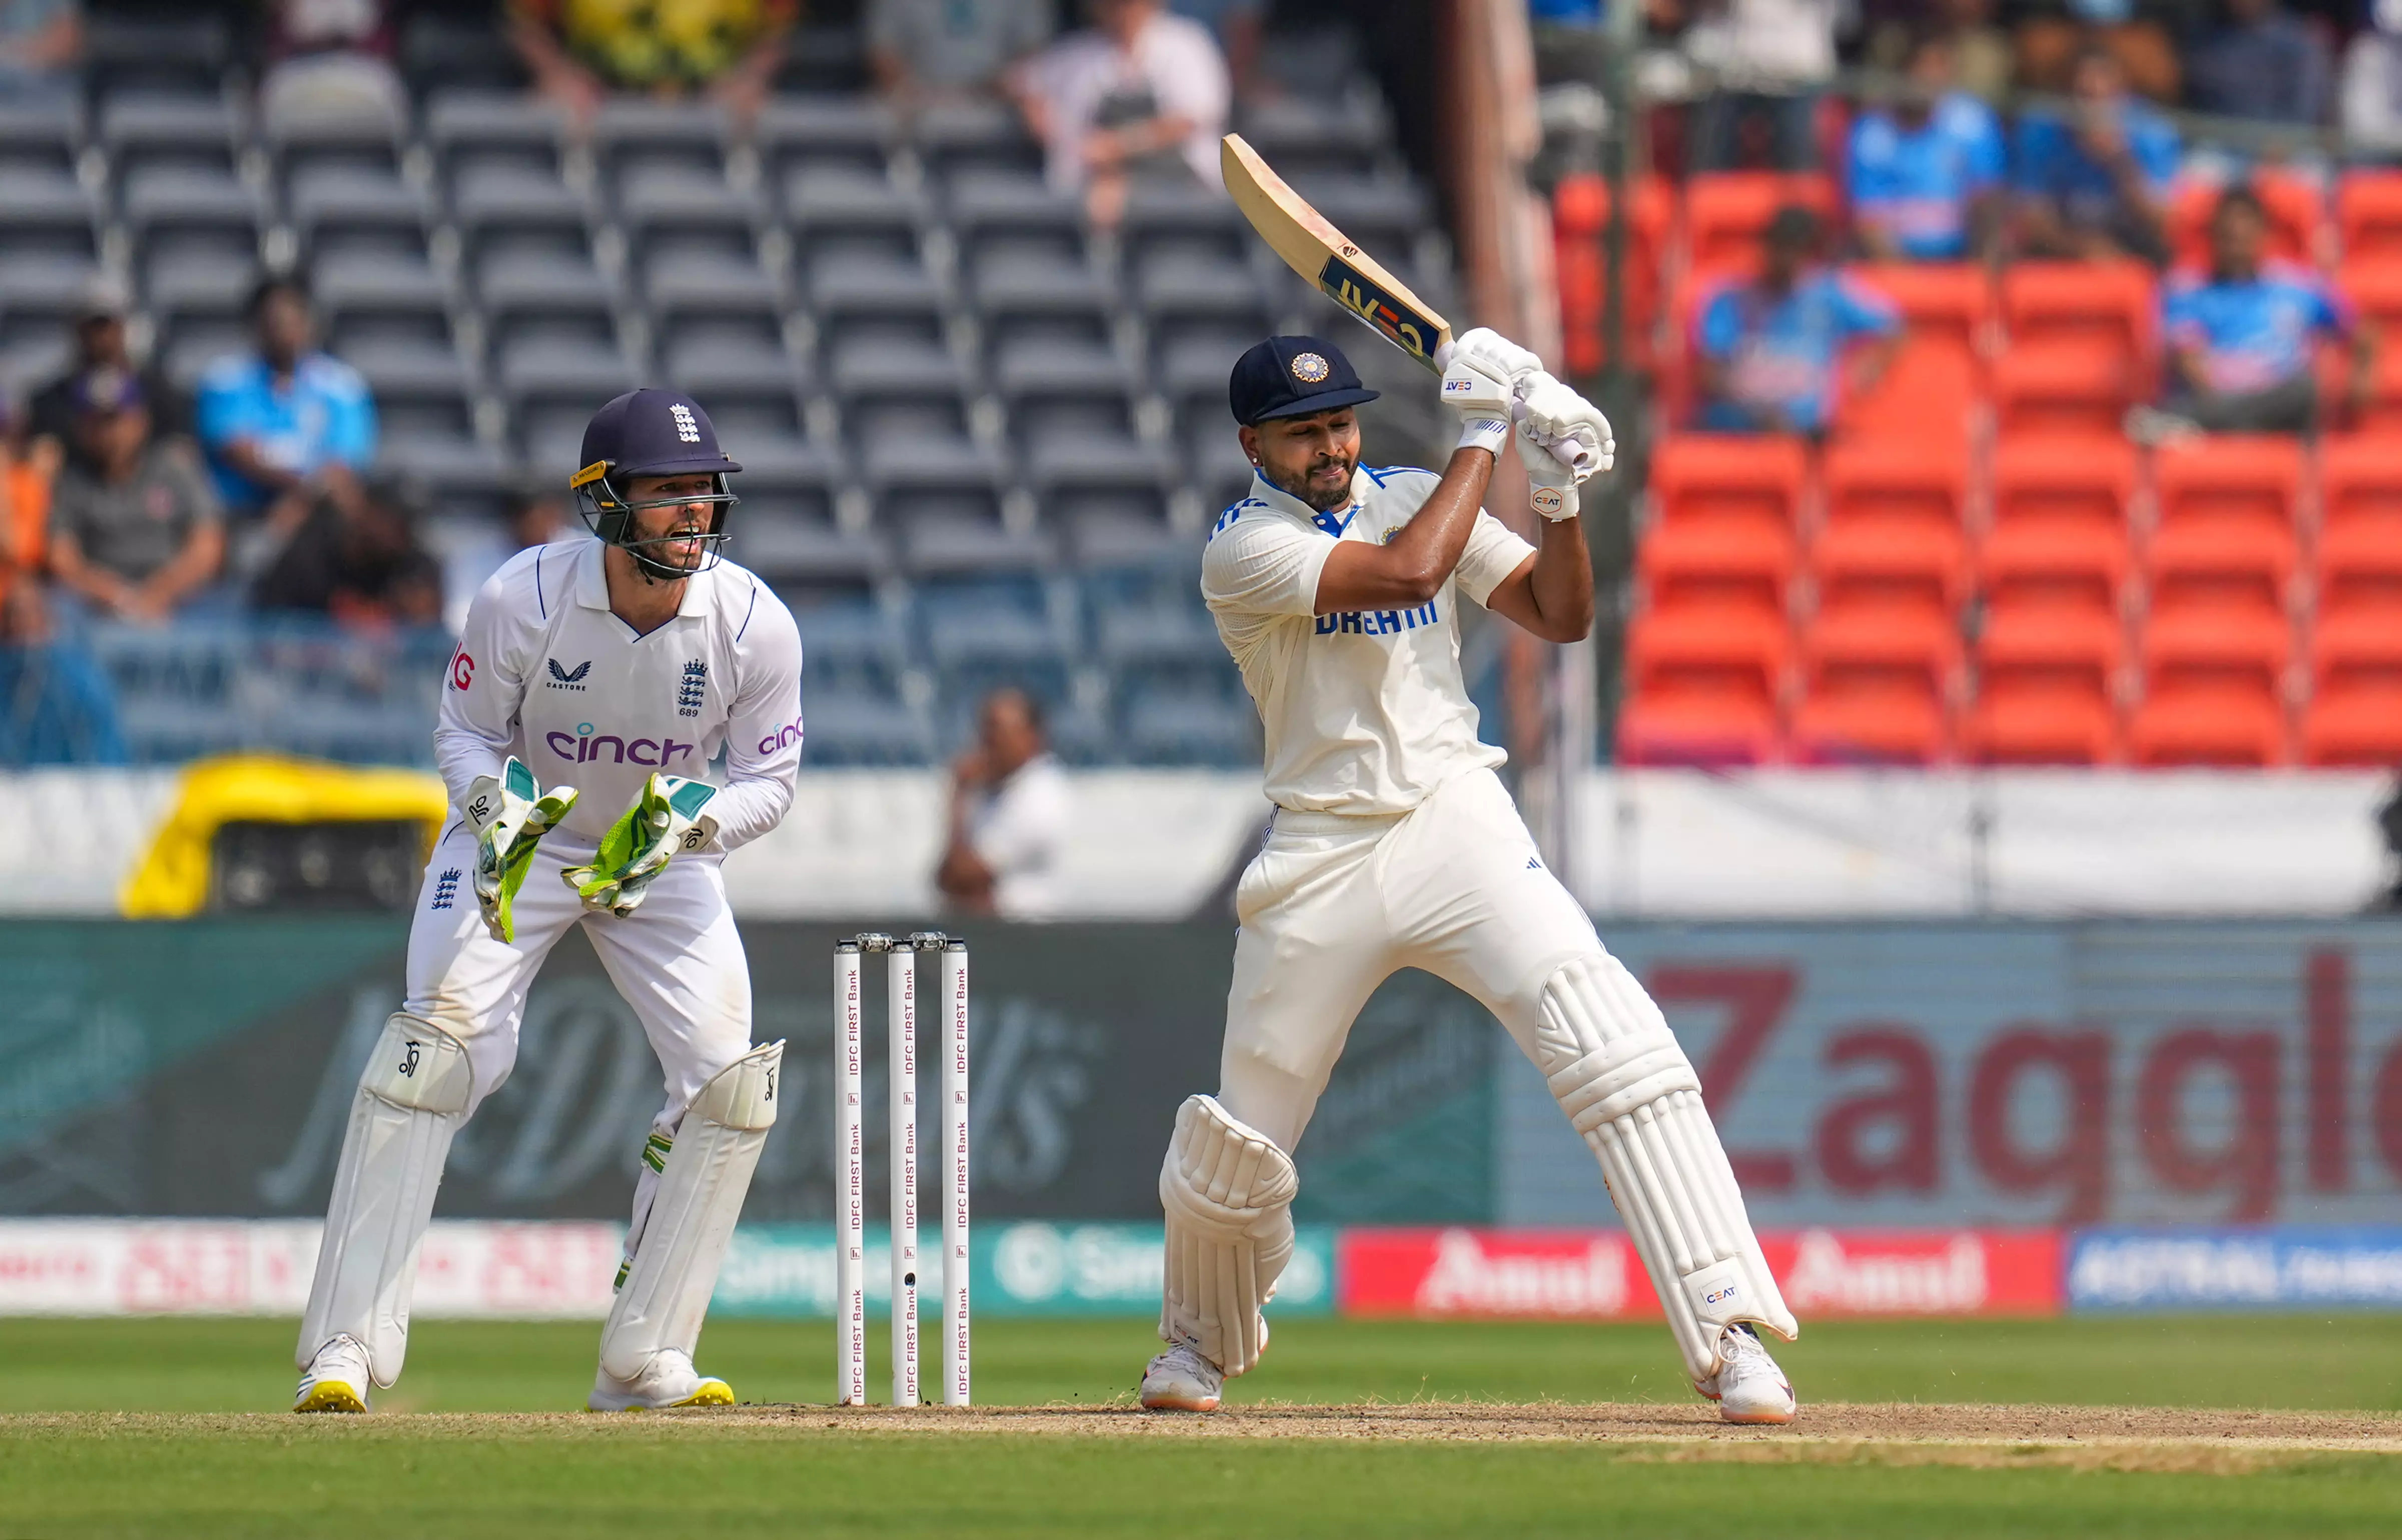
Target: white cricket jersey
[546, 672]
[1365, 710]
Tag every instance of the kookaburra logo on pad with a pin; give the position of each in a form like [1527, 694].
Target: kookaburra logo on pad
[686, 429]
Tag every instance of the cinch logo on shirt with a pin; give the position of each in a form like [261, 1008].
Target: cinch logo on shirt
[583, 748]
[1376, 622]
[783, 737]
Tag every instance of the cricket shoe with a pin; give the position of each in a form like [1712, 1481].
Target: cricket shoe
[668, 1379]
[1748, 1386]
[1180, 1379]
[336, 1380]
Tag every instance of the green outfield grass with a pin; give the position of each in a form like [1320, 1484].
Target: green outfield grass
[398, 1475]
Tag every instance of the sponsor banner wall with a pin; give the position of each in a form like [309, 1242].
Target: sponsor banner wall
[2235, 1269]
[1594, 1274]
[242, 1267]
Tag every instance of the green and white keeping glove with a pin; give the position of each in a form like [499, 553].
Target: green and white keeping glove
[666, 820]
[510, 814]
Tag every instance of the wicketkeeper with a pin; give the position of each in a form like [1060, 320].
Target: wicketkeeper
[1393, 845]
[595, 682]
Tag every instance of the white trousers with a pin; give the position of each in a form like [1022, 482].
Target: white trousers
[1335, 904]
[677, 960]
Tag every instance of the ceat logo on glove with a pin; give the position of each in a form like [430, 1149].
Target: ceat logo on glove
[463, 670]
[1459, 385]
[1549, 500]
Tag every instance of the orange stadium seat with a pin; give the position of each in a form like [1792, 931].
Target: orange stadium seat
[1758, 480]
[1581, 232]
[2040, 720]
[2228, 507]
[2114, 304]
[2064, 386]
[1725, 212]
[1938, 377]
[2298, 217]
[2373, 285]
[2368, 213]
[2213, 678]
[2381, 416]
[1701, 559]
[1893, 523]
[2059, 533]
[1879, 675]
[1704, 685]
[2354, 716]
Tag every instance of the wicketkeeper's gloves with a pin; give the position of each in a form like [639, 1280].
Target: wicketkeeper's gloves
[510, 814]
[666, 820]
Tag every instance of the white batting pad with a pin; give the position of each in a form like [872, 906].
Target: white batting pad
[1626, 1084]
[691, 1220]
[412, 1096]
[1228, 1191]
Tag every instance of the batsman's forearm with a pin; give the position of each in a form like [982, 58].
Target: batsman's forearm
[1563, 581]
[1411, 569]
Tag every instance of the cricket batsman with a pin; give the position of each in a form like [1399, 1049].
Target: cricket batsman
[595, 682]
[1393, 845]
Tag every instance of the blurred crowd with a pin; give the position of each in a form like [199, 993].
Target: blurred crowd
[127, 500]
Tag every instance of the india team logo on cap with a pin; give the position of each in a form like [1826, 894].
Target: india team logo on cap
[1309, 368]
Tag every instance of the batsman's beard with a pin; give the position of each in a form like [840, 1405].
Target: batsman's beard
[1325, 486]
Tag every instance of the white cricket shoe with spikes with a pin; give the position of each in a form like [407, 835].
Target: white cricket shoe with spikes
[336, 1380]
[668, 1379]
[1180, 1379]
[1748, 1386]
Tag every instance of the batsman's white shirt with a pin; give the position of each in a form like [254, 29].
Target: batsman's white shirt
[1394, 845]
[1364, 710]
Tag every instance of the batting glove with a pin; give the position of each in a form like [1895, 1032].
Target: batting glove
[510, 814]
[1483, 404]
[1567, 425]
[1551, 480]
[1491, 353]
[666, 820]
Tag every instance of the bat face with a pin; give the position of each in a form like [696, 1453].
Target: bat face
[1406, 324]
[1327, 258]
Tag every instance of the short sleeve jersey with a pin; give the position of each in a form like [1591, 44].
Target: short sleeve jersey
[321, 415]
[547, 671]
[1915, 184]
[2052, 163]
[1364, 710]
[2255, 334]
[1782, 352]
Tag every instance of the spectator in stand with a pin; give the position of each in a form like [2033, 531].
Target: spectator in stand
[56, 706]
[580, 51]
[359, 562]
[921, 48]
[1142, 95]
[134, 525]
[2095, 182]
[285, 426]
[1924, 173]
[2372, 84]
[2241, 338]
[99, 344]
[1769, 60]
[41, 46]
[1772, 352]
[1010, 813]
[2261, 62]
[332, 60]
[536, 515]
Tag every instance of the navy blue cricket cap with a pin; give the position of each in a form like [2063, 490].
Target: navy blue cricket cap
[1292, 376]
[103, 390]
[650, 433]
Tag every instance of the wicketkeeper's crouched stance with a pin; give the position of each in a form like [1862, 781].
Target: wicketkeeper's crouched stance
[1394, 845]
[611, 671]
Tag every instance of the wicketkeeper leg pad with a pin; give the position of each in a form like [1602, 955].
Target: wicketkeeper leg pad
[691, 1220]
[412, 1096]
[1626, 1084]
[1228, 1192]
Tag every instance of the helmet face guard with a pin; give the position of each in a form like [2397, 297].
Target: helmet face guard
[610, 515]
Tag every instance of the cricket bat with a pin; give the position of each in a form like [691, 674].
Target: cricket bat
[1327, 257]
